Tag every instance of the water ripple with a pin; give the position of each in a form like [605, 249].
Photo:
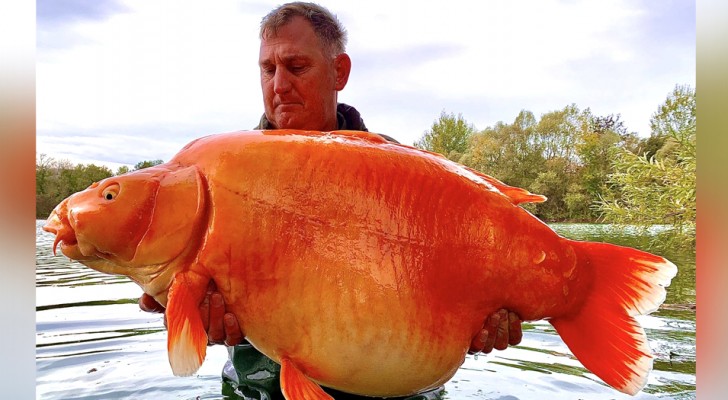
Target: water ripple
[93, 342]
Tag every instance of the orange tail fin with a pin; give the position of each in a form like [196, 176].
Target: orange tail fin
[603, 335]
[186, 336]
[296, 386]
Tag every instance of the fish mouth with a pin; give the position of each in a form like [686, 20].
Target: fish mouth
[59, 224]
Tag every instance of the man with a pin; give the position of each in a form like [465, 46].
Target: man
[303, 66]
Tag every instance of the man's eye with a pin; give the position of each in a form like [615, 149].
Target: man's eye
[297, 69]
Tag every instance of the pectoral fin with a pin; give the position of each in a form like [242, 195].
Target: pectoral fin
[186, 336]
[296, 386]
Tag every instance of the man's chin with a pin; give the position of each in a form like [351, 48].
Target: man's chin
[292, 122]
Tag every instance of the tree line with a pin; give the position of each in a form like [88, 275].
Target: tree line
[589, 166]
[57, 179]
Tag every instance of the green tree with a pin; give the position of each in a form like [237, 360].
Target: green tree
[448, 136]
[46, 185]
[508, 152]
[551, 183]
[146, 164]
[122, 170]
[79, 177]
[43, 173]
[557, 134]
[596, 150]
[650, 146]
[56, 180]
[511, 153]
[565, 156]
[659, 189]
[676, 116]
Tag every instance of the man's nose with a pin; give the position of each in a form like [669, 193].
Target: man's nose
[281, 81]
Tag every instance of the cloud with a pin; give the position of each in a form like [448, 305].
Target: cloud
[117, 74]
[114, 148]
[64, 12]
[539, 56]
[56, 19]
[155, 66]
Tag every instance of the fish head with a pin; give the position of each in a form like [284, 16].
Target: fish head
[138, 224]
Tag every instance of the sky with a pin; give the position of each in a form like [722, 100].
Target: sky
[122, 81]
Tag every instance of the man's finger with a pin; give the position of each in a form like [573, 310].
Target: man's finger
[233, 333]
[491, 325]
[216, 330]
[515, 331]
[501, 335]
[205, 312]
[149, 304]
[478, 342]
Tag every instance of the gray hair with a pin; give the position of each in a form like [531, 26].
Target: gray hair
[327, 27]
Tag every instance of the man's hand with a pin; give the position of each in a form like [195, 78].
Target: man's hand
[221, 327]
[501, 329]
[149, 304]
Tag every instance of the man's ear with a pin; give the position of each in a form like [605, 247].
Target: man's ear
[342, 64]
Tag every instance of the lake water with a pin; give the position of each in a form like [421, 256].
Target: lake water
[93, 342]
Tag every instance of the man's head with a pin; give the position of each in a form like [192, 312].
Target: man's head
[302, 66]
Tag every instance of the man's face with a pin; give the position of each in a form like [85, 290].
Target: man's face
[299, 81]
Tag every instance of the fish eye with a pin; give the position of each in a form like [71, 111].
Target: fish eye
[111, 191]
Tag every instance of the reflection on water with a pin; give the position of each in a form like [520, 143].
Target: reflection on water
[93, 342]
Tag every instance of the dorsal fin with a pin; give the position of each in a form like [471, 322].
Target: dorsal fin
[517, 195]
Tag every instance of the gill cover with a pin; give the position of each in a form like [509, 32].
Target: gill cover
[176, 213]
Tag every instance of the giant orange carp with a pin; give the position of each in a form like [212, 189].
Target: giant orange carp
[355, 263]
